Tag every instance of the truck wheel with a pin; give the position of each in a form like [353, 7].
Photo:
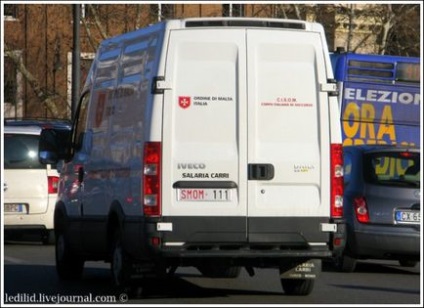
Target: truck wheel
[297, 286]
[68, 265]
[121, 264]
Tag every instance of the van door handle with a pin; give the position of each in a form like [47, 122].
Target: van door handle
[260, 172]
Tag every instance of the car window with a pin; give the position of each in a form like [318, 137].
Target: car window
[392, 168]
[21, 152]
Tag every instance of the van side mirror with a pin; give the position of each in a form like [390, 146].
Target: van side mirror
[54, 145]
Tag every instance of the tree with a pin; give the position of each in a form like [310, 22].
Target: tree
[47, 99]
[381, 28]
[400, 34]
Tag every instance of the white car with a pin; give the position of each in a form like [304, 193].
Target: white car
[30, 188]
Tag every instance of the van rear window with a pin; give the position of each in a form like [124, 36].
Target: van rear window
[392, 169]
[21, 152]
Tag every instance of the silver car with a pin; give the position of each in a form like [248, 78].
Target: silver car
[381, 205]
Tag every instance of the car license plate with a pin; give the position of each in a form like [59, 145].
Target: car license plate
[14, 207]
[408, 217]
[203, 194]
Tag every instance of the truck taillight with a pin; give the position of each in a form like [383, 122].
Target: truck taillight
[336, 180]
[151, 179]
[361, 209]
[53, 184]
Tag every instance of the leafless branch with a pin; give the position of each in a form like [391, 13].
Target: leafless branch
[41, 93]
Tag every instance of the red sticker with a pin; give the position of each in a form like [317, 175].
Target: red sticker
[184, 101]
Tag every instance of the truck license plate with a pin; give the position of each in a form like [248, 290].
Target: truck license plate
[203, 194]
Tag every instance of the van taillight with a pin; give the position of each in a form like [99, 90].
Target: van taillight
[53, 184]
[361, 209]
[336, 181]
[151, 179]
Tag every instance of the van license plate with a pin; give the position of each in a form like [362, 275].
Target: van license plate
[204, 194]
[408, 217]
[14, 207]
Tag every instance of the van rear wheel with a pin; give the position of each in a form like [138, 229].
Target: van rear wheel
[297, 286]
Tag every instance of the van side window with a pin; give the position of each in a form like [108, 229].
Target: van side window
[81, 121]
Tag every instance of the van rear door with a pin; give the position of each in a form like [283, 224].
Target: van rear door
[288, 137]
[244, 136]
[204, 136]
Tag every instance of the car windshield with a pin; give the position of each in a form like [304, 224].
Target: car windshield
[392, 168]
[21, 152]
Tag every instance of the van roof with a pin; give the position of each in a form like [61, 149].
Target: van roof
[224, 22]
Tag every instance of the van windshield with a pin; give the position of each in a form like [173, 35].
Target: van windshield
[21, 152]
[393, 169]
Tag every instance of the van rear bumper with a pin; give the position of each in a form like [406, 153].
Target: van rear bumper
[245, 252]
[228, 237]
[240, 257]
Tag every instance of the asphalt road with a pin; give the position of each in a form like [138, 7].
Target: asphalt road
[30, 276]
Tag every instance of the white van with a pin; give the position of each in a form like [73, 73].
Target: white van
[206, 142]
